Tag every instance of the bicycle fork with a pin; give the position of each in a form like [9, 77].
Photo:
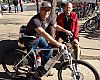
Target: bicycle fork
[74, 69]
[75, 73]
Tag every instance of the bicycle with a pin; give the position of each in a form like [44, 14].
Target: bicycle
[92, 24]
[22, 65]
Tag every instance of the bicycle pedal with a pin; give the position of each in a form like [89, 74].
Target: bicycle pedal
[32, 73]
[22, 75]
[78, 77]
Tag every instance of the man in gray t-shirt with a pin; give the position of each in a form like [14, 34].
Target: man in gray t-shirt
[37, 27]
[36, 22]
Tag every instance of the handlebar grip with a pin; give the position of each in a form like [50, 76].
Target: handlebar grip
[62, 47]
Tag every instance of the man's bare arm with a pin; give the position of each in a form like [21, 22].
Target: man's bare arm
[59, 28]
[41, 31]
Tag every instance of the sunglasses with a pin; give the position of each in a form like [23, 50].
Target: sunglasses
[46, 9]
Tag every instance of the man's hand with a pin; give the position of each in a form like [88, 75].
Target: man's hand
[63, 46]
[69, 33]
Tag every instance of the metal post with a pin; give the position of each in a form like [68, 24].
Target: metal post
[37, 4]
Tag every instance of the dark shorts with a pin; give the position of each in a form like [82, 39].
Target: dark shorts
[64, 37]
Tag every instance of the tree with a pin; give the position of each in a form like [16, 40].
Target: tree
[53, 14]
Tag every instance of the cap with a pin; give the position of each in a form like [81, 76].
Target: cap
[46, 4]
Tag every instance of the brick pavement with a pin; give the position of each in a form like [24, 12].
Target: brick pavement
[11, 22]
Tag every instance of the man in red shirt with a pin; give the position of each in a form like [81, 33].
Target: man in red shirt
[69, 21]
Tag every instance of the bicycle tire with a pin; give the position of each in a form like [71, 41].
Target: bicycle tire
[93, 74]
[90, 25]
[9, 60]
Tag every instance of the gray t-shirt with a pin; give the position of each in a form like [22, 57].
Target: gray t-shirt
[36, 22]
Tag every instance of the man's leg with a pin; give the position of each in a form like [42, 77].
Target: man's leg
[42, 43]
[15, 8]
[64, 37]
[21, 7]
[77, 51]
[46, 53]
[30, 44]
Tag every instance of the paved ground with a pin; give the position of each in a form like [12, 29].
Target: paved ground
[9, 29]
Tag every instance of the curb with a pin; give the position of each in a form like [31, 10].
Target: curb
[84, 57]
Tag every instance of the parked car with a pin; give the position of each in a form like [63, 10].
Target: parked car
[4, 6]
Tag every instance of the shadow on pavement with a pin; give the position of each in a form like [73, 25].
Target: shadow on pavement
[4, 76]
[93, 35]
[6, 45]
[89, 48]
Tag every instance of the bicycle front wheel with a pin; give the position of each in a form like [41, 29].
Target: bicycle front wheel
[86, 71]
[11, 59]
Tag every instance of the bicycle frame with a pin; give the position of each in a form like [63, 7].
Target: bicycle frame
[34, 54]
[53, 60]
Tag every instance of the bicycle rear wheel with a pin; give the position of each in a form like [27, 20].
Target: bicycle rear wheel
[11, 58]
[86, 71]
